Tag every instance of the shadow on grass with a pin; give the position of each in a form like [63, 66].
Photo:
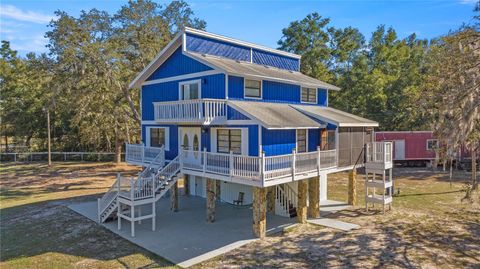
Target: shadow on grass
[50, 227]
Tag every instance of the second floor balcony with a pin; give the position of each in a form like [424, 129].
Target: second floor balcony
[202, 111]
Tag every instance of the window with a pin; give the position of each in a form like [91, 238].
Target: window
[229, 140]
[327, 139]
[309, 95]
[157, 137]
[301, 140]
[190, 90]
[253, 88]
[432, 144]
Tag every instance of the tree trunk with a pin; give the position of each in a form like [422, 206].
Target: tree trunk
[118, 147]
[474, 170]
[48, 137]
[451, 171]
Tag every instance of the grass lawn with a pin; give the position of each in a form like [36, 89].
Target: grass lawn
[429, 226]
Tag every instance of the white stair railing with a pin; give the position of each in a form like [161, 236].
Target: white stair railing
[285, 199]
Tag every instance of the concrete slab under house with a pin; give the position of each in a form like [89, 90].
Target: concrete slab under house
[238, 124]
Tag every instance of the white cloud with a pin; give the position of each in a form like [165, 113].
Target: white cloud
[12, 12]
[468, 2]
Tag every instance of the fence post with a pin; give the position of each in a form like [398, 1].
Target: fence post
[98, 210]
[143, 154]
[293, 164]
[15, 157]
[118, 182]
[318, 159]
[230, 163]
[64, 156]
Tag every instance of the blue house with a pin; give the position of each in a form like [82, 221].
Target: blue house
[237, 122]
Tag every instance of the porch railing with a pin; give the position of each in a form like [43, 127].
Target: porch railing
[258, 168]
[140, 154]
[202, 111]
[379, 152]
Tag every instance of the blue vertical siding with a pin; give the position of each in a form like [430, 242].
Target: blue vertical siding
[213, 86]
[278, 142]
[218, 48]
[178, 64]
[205, 137]
[235, 87]
[271, 59]
[322, 97]
[233, 114]
[173, 135]
[280, 92]
[313, 139]
[253, 146]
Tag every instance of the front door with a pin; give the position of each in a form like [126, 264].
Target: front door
[190, 143]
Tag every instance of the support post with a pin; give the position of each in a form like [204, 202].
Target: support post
[259, 212]
[314, 197]
[302, 201]
[271, 199]
[210, 200]
[174, 197]
[352, 187]
[318, 160]
[132, 214]
[230, 164]
[154, 216]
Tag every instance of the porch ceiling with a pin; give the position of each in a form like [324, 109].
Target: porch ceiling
[275, 115]
[335, 116]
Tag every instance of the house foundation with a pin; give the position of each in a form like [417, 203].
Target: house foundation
[302, 201]
[314, 197]
[259, 212]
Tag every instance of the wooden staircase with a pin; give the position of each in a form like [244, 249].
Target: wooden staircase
[126, 193]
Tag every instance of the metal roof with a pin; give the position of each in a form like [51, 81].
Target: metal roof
[335, 116]
[274, 115]
[253, 70]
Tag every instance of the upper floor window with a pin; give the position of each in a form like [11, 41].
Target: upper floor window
[253, 88]
[432, 144]
[309, 95]
[229, 140]
[301, 140]
[190, 90]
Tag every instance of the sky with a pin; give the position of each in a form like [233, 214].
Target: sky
[24, 22]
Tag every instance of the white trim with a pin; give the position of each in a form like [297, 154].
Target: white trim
[339, 124]
[145, 122]
[239, 42]
[240, 122]
[327, 96]
[253, 97]
[226, 86]
[146, 71]
[260, 140]
[181, 77]
[316, 95]
[244, 138]
[188, 82]
[167, 135]
[392, 132]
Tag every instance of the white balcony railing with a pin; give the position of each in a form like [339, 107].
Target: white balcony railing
[260, 169]
[379, 152]
[203, 111]
[139, 154]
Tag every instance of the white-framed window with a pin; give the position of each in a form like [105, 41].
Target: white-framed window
[432, 144]
[301, 140]
[191, 89]
[252, 88]
[229, 140]
[157, 137]
[308, 95]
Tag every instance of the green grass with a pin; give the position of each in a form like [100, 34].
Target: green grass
[429, 226]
